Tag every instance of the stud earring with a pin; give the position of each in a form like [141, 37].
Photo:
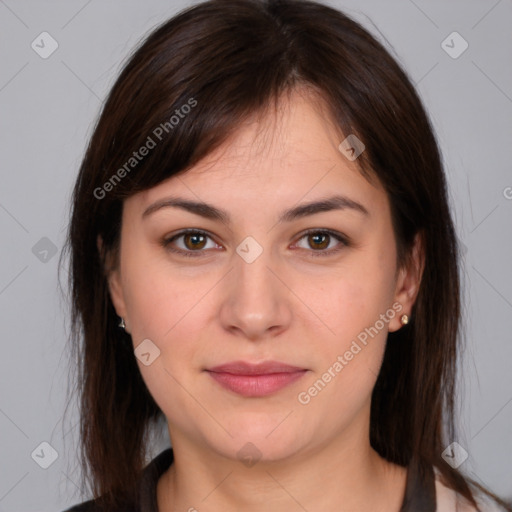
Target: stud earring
[122, 324]
[404, 319]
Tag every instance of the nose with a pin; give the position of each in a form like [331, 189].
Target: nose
[257, 300]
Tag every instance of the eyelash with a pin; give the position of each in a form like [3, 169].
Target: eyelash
[344, 242]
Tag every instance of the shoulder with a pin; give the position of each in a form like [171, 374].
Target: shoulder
[449, 500]
[91, 506]
[86, 506]
[147, 487]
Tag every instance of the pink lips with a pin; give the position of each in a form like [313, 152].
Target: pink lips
[255, 380]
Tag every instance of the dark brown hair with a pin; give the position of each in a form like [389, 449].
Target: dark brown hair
[230, 60]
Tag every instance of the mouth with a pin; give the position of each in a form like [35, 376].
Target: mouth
[255, 380]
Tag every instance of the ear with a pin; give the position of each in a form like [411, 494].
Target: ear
[408, 281]
[113, 276]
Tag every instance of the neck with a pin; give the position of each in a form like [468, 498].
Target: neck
[345, 474]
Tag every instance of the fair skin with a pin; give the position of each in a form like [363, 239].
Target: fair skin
[287, 305]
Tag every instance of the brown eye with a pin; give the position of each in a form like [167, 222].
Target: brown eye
[189, 243]
[194, 241]
[319, 241]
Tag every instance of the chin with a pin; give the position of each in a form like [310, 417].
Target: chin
[261, 437]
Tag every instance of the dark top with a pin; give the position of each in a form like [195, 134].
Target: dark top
[152, 472]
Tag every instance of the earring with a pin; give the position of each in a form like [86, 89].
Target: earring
[404, 319]
[122, 324]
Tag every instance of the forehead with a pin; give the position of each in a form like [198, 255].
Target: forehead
[274, 157]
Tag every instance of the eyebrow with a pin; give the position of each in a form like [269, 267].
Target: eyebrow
[208, 211]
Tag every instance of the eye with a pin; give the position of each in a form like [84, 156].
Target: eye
[320, 240]
[194, 241]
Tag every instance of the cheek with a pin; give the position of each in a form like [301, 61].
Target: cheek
[167, 309]
[352, 298]
[156, 295]
[351, 352]
[148, 301]
[170, 307]
[355, 303]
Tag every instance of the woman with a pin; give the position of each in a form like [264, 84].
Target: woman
[262, 253]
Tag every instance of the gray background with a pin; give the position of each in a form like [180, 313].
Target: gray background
[48, 107]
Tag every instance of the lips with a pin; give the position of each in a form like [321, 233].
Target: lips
[255, 380]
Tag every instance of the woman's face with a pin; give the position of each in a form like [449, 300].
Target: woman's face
[255, 287]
